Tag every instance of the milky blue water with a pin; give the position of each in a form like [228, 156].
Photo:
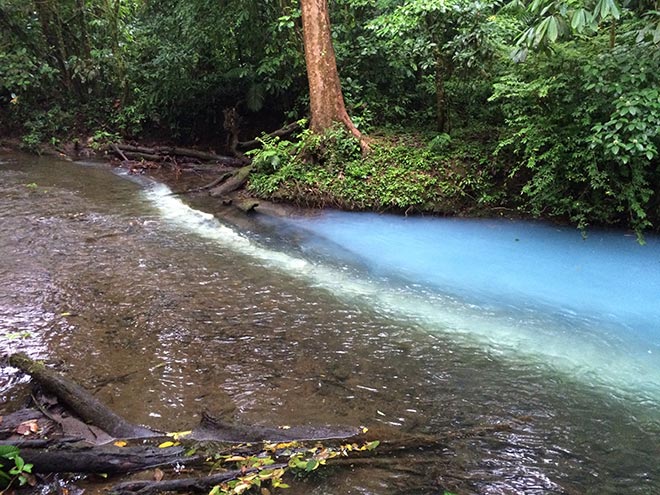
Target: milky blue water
[588, 306]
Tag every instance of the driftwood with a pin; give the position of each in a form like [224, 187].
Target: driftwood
[162, 153]
[109, 459]
[202, 484]
[285, 131]
[233, 183]
[78, 400]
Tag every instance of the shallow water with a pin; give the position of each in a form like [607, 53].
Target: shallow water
[164, 311]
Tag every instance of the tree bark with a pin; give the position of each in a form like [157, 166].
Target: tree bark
[326, 99]
[107, 459]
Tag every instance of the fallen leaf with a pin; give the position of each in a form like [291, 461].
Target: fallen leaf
[178, 435]
[31, 480]
[165, 445]
[27, 427]
[121, 443]
[158, 475]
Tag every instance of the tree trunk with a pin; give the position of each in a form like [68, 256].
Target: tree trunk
[325, 96]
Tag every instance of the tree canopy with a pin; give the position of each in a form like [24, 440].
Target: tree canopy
[552, 103]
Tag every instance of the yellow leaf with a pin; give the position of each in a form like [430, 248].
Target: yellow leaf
[66, 313]
[178, 435]
[235, 458]
[285, 445]
[365, 429]
[165, 445]
[120, 443]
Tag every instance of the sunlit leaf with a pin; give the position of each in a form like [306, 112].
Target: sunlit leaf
[120, 443]
[553, 29]
[167, 444]
[178, 435]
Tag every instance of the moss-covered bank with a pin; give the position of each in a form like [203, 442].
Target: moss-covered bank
[402, 172]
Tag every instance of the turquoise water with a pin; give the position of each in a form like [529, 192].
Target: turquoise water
[589, 306]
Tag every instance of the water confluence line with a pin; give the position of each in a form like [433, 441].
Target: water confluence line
[583, 348]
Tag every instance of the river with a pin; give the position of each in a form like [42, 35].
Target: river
[439, 326]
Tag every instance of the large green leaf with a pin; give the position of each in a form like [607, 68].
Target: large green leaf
[8, 451]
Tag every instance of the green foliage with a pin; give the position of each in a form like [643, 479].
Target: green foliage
[400, 173]
[45, 126]
[583, 126]
[440, 142]
[268, 468]
[13, 468]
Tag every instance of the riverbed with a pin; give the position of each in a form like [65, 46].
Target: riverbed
[164, 311]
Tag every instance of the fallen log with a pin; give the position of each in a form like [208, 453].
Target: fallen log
[196, 485]
[160, 153]
[109, 459]
[138, 156]
[233, 183]
[119, 152]
[285, 131]
[211, 428]
[78, 400]
[210, 185]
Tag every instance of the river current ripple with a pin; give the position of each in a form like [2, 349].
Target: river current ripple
[165, 312]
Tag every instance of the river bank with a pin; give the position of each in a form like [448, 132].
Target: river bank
[404, 173]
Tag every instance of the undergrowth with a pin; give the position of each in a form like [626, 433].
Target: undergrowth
[406, 173]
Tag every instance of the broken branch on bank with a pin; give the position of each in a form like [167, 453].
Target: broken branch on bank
[129, 152]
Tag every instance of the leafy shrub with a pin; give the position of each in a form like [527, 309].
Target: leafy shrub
[584, 130]
[401, 173]
[12, 467]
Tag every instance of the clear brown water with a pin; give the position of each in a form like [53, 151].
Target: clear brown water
[164, 323]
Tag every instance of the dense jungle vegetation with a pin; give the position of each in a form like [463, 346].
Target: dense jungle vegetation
[548, 108]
